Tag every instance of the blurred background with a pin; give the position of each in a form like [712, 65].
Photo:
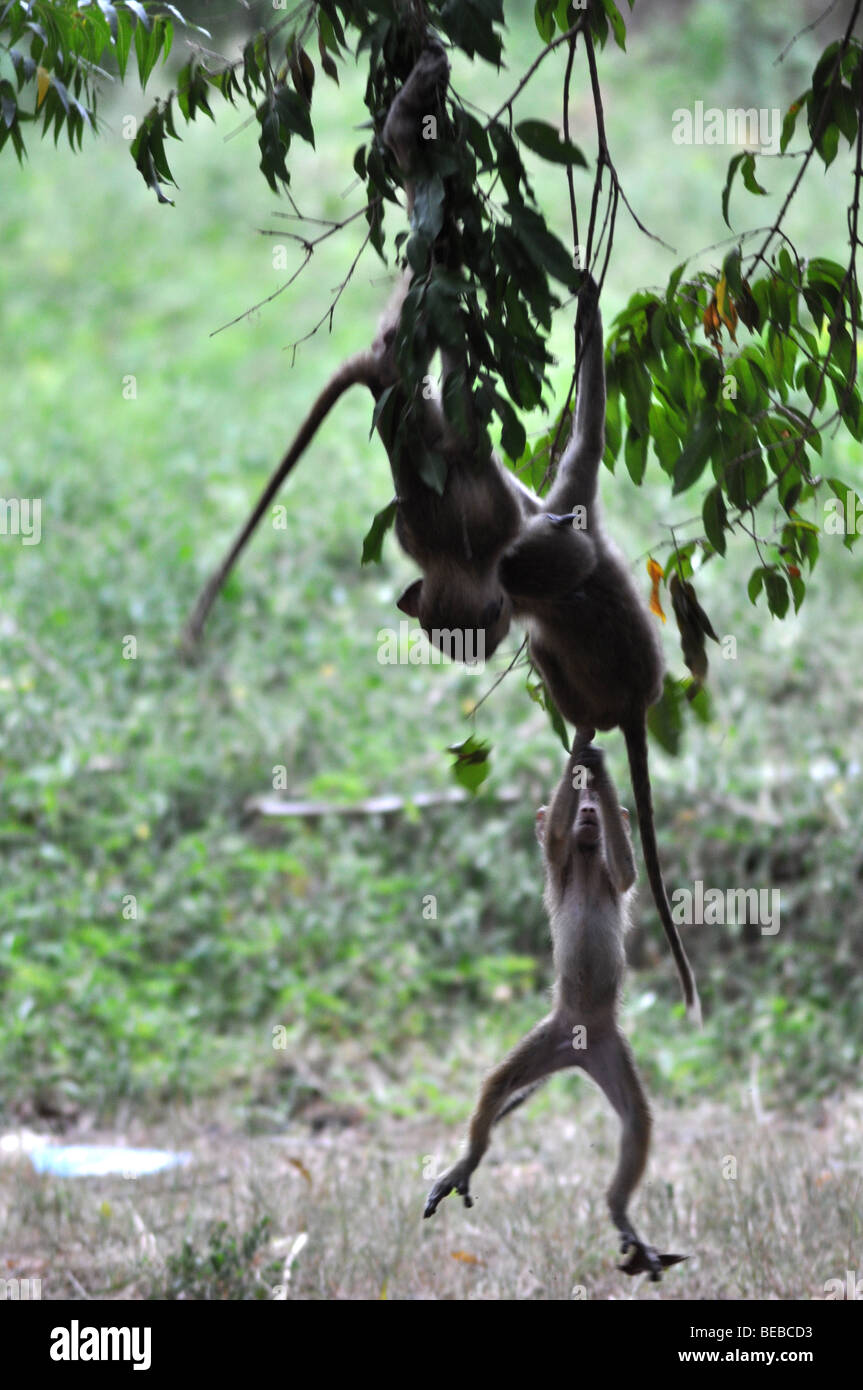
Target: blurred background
[157, 931]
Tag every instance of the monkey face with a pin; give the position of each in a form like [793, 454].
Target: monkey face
[587, 830]
[463, 617]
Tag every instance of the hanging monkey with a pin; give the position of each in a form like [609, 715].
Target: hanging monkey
[590, 873]
[455, 536]
[590, 634]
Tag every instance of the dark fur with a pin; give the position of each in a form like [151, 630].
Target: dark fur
[591, 635]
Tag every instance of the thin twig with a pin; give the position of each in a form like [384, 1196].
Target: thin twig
[549, 48]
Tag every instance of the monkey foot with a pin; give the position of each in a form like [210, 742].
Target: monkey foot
[453, 1181]
[645, 1260]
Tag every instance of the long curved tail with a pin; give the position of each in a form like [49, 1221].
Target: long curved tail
[355, 371]
[636, 748]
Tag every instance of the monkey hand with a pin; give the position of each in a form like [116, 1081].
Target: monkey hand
[456, 1179]
[645, 1260]
[589, 756]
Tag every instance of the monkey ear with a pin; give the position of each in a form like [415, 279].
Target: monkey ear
[410, 600]
[624, 816]
[540, 823]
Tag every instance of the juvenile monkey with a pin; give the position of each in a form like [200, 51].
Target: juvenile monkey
[590, 634]
[590, 872]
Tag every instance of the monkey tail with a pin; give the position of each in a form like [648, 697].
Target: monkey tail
[636, 748]
[353, 372]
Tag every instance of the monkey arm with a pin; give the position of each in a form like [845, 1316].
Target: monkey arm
[560, 817]
[618, 846]
[575, 484]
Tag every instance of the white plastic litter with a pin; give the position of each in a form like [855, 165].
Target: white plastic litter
[89, 1160]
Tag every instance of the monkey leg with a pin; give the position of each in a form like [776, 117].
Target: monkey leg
[515, 1101]
[545, 1049]
[609, 1061]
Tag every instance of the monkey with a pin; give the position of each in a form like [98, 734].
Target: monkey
[590, 634]
[456, 535]
[589, 880]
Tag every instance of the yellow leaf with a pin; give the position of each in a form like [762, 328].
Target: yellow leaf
[655, 571]
[466, 1258]
[43, 82]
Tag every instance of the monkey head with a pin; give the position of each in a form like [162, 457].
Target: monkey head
[464, 615]
[457, 538]
[539, 566]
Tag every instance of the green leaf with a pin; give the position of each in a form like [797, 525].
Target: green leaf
[513, 436]
[713, 515]
[294, 112]
[635, 386]
[747, 170]
[828, 145]
[555, 718]
[790, 122]
[733, 166]
[615, 19]
[380, 406]
[547, 142]
[665, 718]
[427, 216]
[673, 282]
[756, 583]
[471, 766]
[776, 589]
[432, 468]
[731, 271]
[374, 538]
[543, 18]
[635, 455]
[694, 456]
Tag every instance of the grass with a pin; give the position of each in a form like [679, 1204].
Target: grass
[742, 1196]
[153, 932]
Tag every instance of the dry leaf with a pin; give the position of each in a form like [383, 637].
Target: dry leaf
[656, 572]
[301, 1168]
